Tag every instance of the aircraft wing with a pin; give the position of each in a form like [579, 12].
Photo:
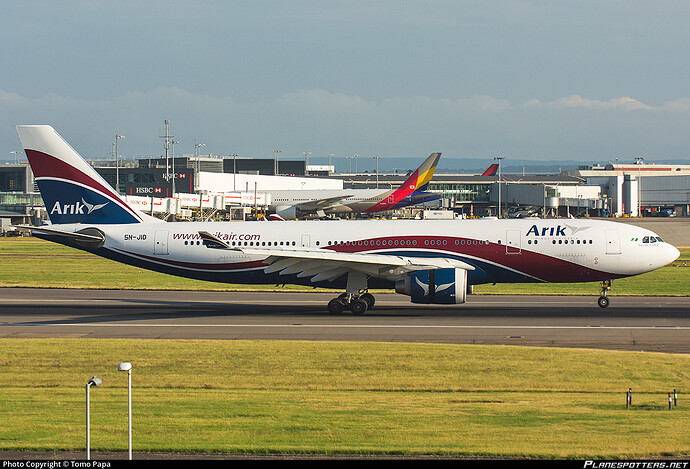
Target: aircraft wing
[324, 264]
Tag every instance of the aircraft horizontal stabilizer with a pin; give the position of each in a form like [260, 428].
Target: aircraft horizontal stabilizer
[89, 238]
[65, 234]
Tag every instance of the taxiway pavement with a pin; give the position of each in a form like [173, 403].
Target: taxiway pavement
[630, 323]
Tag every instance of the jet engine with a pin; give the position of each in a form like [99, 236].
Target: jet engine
[437, 286]
[287, 212]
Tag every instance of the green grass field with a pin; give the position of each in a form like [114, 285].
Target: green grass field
[33, 263]
[336, 398]
[333, 398]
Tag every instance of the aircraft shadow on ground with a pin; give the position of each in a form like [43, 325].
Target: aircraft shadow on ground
[147, 310]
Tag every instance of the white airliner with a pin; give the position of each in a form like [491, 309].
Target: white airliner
[432, 261]
[290, 205]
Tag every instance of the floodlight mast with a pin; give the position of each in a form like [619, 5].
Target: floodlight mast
[125, 366]
[117, 163]
[499, 158]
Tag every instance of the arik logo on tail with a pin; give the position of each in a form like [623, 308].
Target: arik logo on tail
[76, 208]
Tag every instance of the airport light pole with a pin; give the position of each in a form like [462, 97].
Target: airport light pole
[377, 158]
[117, 163]
[125, 366]
[306, 162]
[499, 158]
[196, 154]
[173, 166]
[638, 161]
[16, 156]
[92, 382]
[275, 161]
[234, 171]
[166, 146]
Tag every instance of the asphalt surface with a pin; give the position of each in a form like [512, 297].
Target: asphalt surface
[655, 324]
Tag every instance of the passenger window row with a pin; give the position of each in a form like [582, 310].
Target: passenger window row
[572, 241]
[407, 242]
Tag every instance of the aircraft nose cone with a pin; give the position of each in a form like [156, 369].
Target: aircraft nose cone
[673, 253]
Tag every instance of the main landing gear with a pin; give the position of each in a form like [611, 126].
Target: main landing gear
[356, 297]
[358, 304]
[603, 300]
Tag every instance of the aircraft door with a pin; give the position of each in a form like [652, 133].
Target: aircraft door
[513, 242]
[613, 245]
[160, 243]
[306, 241]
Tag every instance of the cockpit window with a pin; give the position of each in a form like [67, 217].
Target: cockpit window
[659, 239]
[645, 239]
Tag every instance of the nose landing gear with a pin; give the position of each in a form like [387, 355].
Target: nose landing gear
[603, 300]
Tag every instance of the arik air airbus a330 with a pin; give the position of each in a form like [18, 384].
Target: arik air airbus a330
[432, 261]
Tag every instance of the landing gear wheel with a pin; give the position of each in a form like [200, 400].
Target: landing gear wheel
[358, 307]
[369, 298]
[336, 306]
[605, 287]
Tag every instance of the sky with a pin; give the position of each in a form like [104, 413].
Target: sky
[521, 79]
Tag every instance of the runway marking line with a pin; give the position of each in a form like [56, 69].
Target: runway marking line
[351, 326]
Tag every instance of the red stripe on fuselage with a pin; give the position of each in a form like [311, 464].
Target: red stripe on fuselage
[540, 266]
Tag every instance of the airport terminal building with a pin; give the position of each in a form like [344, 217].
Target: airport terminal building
[218, 184]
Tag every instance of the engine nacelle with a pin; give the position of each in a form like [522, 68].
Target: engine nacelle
[287, 212]
[438, 286]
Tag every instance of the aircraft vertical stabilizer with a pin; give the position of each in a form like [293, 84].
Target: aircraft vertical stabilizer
[72, 191]
[491, 170]
[416, 182]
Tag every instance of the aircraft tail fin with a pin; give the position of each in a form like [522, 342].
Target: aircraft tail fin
[416, 182]
[72, 191]
[491, 170]
[421, 177]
